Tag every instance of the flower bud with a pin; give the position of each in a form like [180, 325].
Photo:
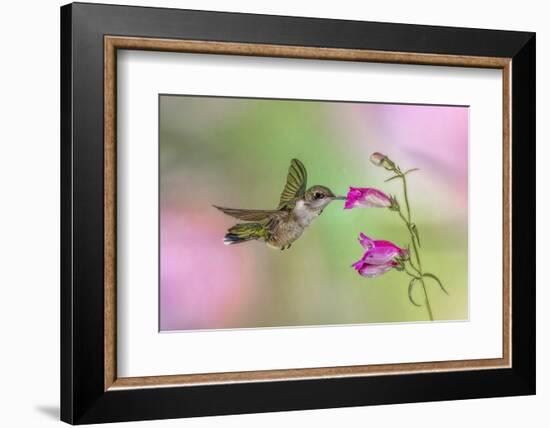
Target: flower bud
[377, 158]
[382, 160]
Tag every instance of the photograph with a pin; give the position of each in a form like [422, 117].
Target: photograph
[266, 212]
[294, 213]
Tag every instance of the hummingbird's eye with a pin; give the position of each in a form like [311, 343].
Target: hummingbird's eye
[318, 195]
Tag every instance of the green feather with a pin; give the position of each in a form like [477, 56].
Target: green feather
[243, 232]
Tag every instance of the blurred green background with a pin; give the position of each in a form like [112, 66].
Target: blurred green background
[235, 153]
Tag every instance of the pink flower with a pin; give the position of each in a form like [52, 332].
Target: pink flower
[380, 256]
[367, 197]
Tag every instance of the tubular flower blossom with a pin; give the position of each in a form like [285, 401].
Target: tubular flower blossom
[380, 256]
[366, 197]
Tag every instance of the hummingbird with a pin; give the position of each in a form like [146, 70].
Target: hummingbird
[279, 228]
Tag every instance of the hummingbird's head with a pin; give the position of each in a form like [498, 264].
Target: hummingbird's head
[318, 197]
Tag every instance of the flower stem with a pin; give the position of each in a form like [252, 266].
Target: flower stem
[427, 300]
[405, 194]
[411, 274]
[407, 221]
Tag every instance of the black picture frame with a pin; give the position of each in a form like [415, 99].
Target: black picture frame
[83, 396]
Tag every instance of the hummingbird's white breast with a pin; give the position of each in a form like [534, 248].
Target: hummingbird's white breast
[304, 214]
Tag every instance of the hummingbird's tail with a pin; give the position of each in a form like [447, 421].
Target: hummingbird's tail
[243, 232]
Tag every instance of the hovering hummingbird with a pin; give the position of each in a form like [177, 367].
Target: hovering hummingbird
[279, 228]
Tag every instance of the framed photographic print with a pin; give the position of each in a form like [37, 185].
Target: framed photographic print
[265, 213]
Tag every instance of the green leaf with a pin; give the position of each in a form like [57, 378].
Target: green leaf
[392, 178]
[411, 285]
[436, 279]
[411, 170]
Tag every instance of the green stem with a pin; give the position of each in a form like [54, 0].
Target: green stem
[416, 252]
[407, 221]
[412, 265]
[406, 200]
[415, 247]
[427, 300]
[412, 275]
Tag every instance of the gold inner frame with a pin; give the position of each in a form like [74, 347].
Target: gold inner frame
[112, 43]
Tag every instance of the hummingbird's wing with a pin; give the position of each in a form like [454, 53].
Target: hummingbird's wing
[247, 215]
[296, 182]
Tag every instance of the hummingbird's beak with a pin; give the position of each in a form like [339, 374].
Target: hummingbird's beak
[340, 198]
